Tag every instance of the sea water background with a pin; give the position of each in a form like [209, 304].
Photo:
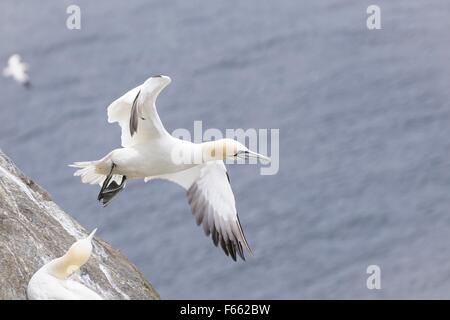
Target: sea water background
[364, 136]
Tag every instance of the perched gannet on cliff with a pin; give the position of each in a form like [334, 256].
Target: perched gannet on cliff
[51, 281]
[17, 70]
[150, 152]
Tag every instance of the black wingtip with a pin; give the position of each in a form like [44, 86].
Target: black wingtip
[231, 238]
[247, 246]
[215, 237]
[240, 251]
[134, 115]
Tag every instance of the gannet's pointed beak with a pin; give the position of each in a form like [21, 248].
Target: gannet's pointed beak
[262, 158]
[91, 235]
[250, 154]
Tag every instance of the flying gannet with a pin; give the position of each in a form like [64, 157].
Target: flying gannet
[150, 152]
[51, 281]
[17, 70]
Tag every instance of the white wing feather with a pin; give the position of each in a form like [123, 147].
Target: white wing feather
[43, 286]
[213, 204]
[150, 125]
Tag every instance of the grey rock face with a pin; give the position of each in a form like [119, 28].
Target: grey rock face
[34, 230]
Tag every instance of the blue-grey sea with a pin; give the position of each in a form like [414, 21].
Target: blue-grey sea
[364, 120]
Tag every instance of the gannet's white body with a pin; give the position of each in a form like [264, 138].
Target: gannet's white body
[150, 152]
[51, 281]
[17, 70]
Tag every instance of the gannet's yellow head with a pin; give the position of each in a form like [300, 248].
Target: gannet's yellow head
[228, 149]
[77, 255]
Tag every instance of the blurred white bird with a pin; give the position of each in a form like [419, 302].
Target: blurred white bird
[51, 281]
[17, 70]
[150, 152]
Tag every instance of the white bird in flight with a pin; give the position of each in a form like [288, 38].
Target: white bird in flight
[51, 281]
[17, 70]
[150, 152]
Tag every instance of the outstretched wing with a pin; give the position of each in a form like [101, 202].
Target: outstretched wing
[213, 205]
[136, 112]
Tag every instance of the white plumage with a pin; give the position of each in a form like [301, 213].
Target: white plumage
[51, 281]
[17, 70]
[150, 152]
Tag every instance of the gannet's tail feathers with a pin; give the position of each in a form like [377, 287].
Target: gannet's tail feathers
[100, 172]
[87, 170]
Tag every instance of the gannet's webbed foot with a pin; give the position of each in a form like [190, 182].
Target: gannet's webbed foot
[110, 189]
